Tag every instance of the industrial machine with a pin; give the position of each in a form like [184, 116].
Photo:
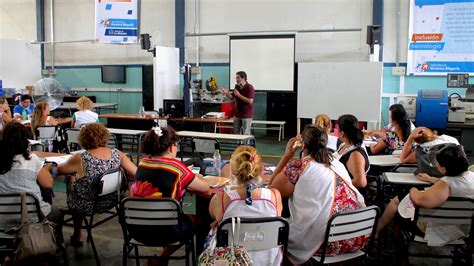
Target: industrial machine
[432, 108]
[461, 110]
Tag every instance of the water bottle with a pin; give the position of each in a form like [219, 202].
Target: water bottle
[24, 115]
[141, 112]
[50, 145]
[217, 162]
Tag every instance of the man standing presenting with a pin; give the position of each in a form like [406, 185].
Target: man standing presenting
[243, 94]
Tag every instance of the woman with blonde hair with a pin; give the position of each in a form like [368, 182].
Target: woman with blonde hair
[248, 199]
[323, 121]
[85, 115]
[41, 117]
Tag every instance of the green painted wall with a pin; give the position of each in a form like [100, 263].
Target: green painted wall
[129, 102]
[90, 77]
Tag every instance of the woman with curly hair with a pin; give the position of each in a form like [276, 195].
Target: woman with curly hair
[85, 115]
[87, 168]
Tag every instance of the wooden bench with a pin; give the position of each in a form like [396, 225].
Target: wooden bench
[256, 124]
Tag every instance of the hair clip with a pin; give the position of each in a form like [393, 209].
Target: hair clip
[157, 131]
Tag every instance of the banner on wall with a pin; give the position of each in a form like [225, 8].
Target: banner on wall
[441, 36]
[116, 21]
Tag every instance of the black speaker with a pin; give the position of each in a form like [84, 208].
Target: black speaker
[147, 88]
[374, 34]
[145, 41]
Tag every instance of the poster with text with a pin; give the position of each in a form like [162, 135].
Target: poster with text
[441, 36]
[116, 21]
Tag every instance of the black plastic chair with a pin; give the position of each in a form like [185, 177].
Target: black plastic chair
[153, 216]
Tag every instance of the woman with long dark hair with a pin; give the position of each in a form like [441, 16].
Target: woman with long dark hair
[394, 139]
[21, 171]
[352, 154]
[318, 186]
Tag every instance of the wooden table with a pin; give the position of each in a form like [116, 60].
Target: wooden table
[148, 121]
[97, 106]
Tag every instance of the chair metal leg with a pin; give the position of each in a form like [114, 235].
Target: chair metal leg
[186, 251]
[91, 240]
[125, 254]
[193, 252]
[137, 260]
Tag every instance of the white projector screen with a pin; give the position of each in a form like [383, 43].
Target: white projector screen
[268, 61]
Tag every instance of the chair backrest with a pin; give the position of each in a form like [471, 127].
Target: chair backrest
[10, 207]
[73, 135]
[46, 132]
[205, 145]
[255, 233]
[454, 211]
[113, 142]
[149, 212]
[350, 224]
[110, 182]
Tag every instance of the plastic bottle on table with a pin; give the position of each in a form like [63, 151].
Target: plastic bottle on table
[24, 115]
[217, 162]
[50, 145]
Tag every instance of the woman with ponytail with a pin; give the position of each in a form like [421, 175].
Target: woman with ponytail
[395, 138]
[323, 121]
[318, 186]
[248, 199]
[352, 154]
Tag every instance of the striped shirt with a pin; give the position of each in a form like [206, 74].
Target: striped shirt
[161, 177]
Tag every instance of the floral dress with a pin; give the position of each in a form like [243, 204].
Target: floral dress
[320, 192]
[81, 193]
[393, 142]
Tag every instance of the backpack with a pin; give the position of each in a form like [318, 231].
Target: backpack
[60, 140]
[426, 159]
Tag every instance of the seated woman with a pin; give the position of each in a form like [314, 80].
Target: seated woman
[457, 182]
[160, 174]
[393, 139]
[318, 186]
[87, 168]
[85, 115]
[41, 117]
[389, 127]
[5, 113]
[351, 153]
[323, 121]
[425, 138]
[21, 171]
[248, 200]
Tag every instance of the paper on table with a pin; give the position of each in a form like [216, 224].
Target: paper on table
[58, 159]
[216, 181]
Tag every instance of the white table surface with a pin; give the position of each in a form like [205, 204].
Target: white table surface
[120, 131]
[384, 160]
[403, 178]
[210, 135]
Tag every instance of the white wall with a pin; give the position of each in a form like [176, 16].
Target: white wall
[261, 15]
[18, 19]
[74, 20]
[390, 15]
